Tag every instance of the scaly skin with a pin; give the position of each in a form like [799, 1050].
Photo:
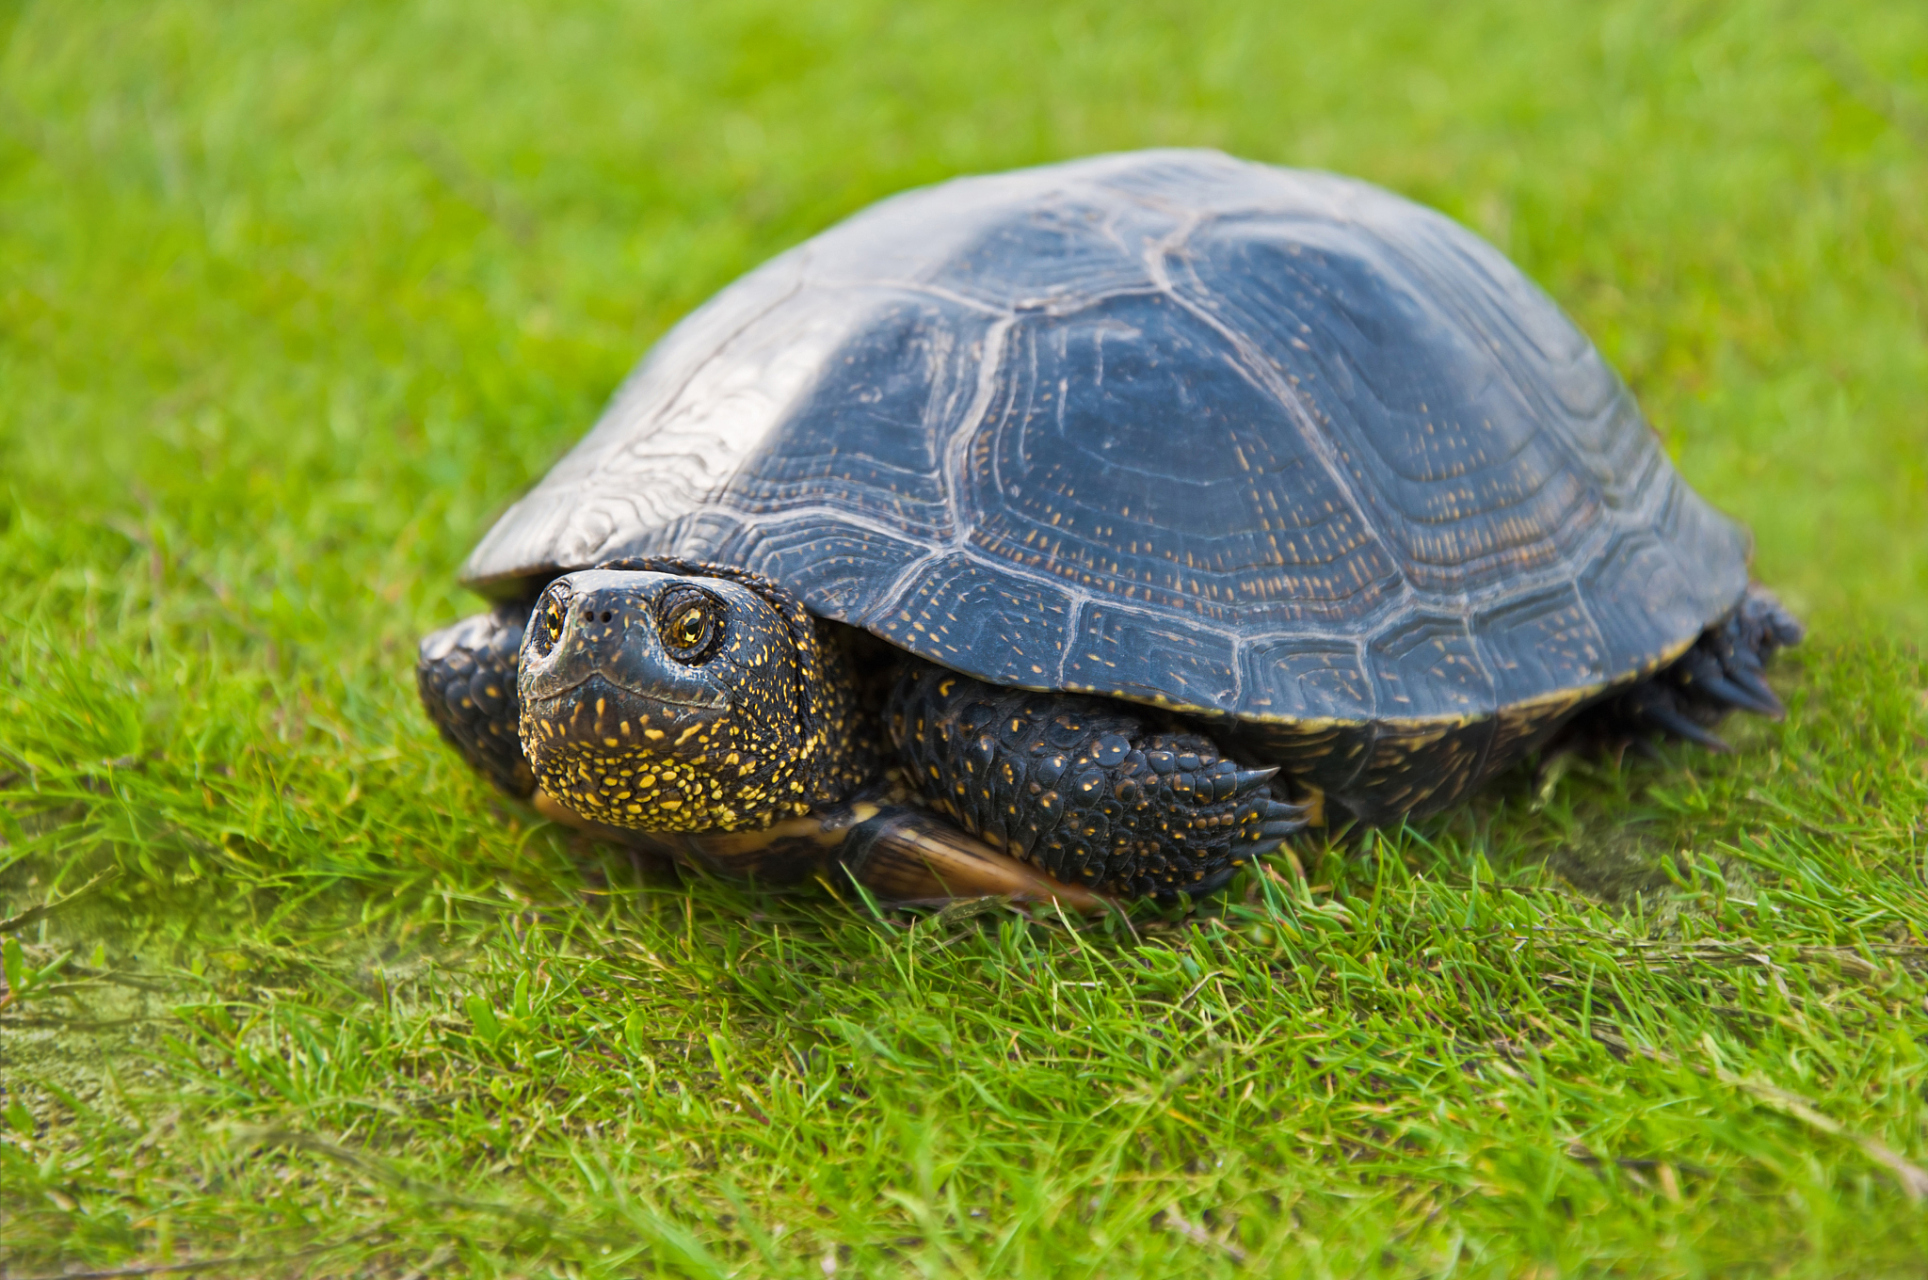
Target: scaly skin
[466, 675]
[1082, 788]
[676, 699]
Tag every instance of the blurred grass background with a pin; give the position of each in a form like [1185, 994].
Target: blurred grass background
[294, 297]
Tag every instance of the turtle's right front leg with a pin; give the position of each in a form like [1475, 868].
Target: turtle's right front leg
[466, 675]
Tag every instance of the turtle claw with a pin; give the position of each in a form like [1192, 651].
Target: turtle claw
[1722, 671]
[1662, 716]
[1731, 690]
[1247, 781]
[1728, 673]
[1765, 700]
[1742, 658]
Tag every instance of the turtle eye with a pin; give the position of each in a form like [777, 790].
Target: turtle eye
[548, 625]
[691, 622]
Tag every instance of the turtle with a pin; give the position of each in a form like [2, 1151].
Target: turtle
[1087, 531]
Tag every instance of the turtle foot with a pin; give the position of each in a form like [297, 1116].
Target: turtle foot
[466, 677]
[1723, 671]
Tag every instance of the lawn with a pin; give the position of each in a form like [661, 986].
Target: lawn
[294, 297]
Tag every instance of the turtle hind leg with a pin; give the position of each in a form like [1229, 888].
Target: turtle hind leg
[466, 677]
[1082, 788]
[907, 856]
[1723, 671]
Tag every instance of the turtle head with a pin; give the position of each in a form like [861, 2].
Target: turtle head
[678, 697]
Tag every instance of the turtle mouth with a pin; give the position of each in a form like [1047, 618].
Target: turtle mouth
[603, 720]
[618, 756]
[648, 695]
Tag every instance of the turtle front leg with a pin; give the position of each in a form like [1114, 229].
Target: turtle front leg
[466, 675]
[1085, 789]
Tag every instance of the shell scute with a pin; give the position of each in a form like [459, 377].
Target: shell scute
[1198, 668]
[1306, 679]
[968, 615]
[1428, 666]
[1547, 640]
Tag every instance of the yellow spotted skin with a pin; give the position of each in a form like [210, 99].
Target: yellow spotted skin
[688, 698]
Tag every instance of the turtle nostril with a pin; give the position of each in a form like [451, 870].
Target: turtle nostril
[607, 615]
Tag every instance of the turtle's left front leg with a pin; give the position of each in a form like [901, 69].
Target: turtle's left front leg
[1087, 790]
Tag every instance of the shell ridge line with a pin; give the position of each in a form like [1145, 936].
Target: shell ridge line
[1193, 627]
[1637, 665]
[1157, 253]
[1679, 495]
[929, 290]
[957, 447]
[1253, 367]
[1586, 611]
[1361, 655]
[891, 599]
[1593, 542]
[1600, 461]
[1652, 493]
[773, 524]
[1479, 659]
[1071, 303]
[1109, 228]
[1500, 592]
[1074, 618]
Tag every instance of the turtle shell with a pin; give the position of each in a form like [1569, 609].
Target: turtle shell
[1251, 443]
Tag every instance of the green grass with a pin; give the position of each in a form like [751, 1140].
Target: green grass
[293, 297]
